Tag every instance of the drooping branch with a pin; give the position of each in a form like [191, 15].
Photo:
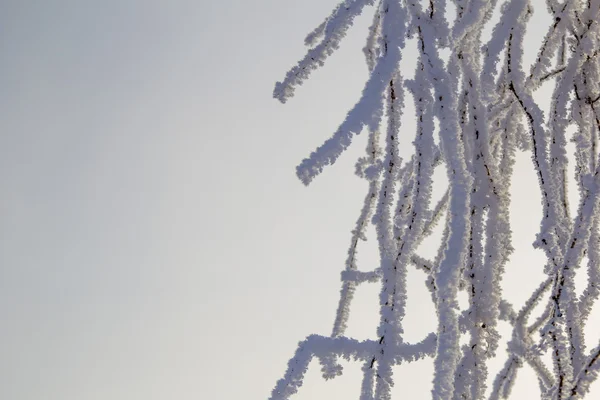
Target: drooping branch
[486, 109]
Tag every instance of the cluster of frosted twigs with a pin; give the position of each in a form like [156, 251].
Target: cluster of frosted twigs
[483, 102]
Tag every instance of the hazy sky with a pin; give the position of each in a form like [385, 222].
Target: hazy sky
[155, 242]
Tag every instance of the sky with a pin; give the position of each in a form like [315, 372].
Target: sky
[155, 242]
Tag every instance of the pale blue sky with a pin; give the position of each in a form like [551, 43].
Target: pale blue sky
[154, 241]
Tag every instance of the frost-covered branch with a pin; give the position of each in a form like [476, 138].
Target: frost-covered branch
[475, 109]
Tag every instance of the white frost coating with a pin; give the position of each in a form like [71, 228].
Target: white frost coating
[393, 293]
[333, 30]
[486, 112]
[349, 284]
[368, 110]
[371, 50]
[510, 13]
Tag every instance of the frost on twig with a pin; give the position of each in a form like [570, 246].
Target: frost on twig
[483, 101]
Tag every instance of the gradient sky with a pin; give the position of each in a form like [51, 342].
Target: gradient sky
[155, 242]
